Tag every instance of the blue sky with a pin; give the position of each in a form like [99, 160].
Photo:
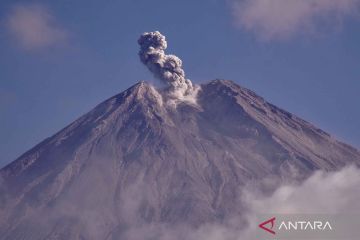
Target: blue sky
[61, 58]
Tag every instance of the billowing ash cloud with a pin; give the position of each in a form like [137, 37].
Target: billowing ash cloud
[167, 68]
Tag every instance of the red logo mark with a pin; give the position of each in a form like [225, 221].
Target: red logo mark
[272, 222]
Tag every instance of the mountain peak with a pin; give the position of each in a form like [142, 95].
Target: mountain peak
[138, 91]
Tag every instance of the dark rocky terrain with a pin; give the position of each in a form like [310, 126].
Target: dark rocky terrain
[134, 162]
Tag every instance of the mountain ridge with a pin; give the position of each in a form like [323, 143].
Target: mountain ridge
[135, 90]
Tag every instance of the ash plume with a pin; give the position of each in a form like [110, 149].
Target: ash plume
[167, 68]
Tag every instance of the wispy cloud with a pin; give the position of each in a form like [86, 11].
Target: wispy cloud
[33, 27]
[331, 193]
[282, 19]
[321, 193]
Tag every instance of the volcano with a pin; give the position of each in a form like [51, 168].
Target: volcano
[133, 163]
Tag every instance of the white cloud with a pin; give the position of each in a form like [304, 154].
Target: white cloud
[33, 27]
[282, 19]
[323, 192]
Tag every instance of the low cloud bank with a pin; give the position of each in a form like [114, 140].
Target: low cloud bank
[129, 217]
[322, 193]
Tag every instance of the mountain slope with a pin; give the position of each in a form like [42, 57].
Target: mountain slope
[132, 162]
